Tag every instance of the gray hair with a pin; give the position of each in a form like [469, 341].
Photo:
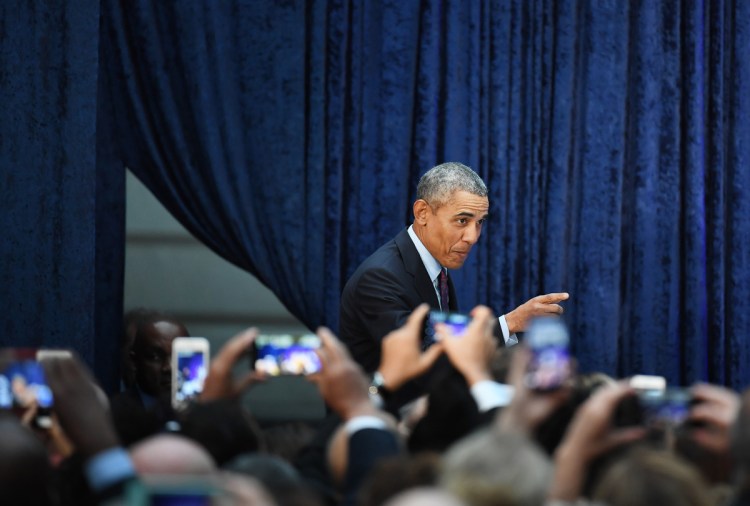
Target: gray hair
[438, 184]
[490, 468]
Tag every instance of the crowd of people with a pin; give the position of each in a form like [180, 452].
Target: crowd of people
[479, 436]
[449, 418]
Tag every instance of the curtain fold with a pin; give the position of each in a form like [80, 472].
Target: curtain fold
[290, 136]
[59, 234]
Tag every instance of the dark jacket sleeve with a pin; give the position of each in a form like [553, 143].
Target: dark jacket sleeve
[380, 308]
[366, 448]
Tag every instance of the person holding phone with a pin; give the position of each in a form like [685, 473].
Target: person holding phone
[451, 207]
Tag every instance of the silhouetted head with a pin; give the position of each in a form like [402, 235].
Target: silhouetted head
[651, 477]
[223, 427]
[425, 496]
[25, 471]
[130, 321]
[490, 469]
[152, 353]
[395, 475]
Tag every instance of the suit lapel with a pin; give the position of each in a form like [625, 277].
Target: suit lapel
[414, 266]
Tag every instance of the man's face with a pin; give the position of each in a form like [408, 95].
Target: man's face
[152, 353]
[450, 231]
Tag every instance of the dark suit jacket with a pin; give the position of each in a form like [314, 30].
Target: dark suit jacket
[366, 448]
[381, 294]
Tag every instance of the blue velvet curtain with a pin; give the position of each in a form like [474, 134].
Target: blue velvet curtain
[61, 217]
[289, 137]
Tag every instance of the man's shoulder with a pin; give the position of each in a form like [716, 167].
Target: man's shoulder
[390, 257]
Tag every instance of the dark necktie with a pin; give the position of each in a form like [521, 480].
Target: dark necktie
[443, 287]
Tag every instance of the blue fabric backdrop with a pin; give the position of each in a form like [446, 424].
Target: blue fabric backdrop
[61, 219]
[289, 137]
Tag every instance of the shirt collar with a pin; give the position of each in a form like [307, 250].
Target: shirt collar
[433, 266]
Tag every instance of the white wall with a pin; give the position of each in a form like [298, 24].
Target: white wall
[168, 269]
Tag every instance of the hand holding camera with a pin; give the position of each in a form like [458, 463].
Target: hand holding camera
[590, 434]
[220, 382]
[470, 351]
[401, 356]
[341, 381]
[712, 415]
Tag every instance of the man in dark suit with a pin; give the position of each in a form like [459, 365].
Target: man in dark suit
[412, 268]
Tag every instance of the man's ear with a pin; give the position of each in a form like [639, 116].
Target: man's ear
[421, 210]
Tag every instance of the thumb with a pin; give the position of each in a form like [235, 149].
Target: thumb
[416, 318]
[429, 357]
[250, 379]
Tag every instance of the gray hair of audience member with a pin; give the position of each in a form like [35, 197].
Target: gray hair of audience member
[489, 468]
[438, 184]
[652, 477]
[424, 496]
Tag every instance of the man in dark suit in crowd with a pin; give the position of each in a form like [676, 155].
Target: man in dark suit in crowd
[412, 268]
[147, 371]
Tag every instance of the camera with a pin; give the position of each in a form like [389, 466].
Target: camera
[549, 342]
[190, 362]
[285, 354]
[654, 405]
[456, 323]
[667, 408]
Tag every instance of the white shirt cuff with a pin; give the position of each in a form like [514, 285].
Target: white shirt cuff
[490, 394]
[510, 339]
[364, 422]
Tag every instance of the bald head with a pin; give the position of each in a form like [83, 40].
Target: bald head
[171, 454]
[424, 497]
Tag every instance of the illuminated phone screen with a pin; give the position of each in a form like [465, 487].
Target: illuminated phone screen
[285, 354]
[22, 383]
[666, 407]
[549, 366]
[190, 375]
[456, 322]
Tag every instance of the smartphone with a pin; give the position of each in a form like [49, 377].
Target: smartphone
[643, 382]
[665, 408]
[23, 384]
[549, 342]
[456, 322]
[285, 354]
[190, 362]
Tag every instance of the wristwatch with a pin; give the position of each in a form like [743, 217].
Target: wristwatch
[377, 386]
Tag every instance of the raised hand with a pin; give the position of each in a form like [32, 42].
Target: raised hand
[529, 408]
[220, 382]
[590, 434]
[471, 353]
[341, 381]
[402, 358]
[80, 411]
[715, 411]
[541, 305]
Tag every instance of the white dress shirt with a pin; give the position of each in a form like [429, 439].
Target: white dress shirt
[433, 270]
